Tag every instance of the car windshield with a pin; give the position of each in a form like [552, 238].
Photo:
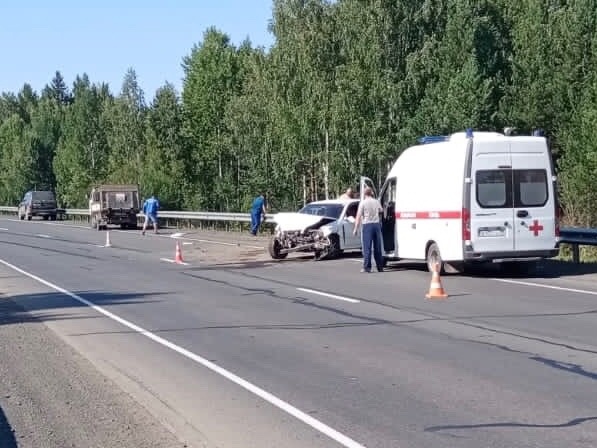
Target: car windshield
[43, 196]
[327, 210]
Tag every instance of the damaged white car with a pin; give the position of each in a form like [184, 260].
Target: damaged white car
[322, 227]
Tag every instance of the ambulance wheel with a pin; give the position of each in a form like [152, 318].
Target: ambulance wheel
[433, 257]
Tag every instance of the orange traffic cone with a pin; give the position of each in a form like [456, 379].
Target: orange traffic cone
[108, 243]
[436, 290]
[178, 257]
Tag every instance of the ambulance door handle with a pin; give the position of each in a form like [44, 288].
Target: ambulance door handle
[522, 213]
[413, 225]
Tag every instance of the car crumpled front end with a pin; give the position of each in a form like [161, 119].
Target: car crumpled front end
[298, 232]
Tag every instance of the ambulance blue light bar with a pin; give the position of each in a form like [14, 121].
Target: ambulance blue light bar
[433, 139]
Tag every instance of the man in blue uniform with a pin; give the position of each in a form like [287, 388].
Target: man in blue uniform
[257, 213]
[150, 210]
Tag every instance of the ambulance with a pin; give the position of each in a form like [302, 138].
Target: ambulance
[468, 198]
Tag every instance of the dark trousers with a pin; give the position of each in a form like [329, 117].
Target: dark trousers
[371, 234]
[255, 222]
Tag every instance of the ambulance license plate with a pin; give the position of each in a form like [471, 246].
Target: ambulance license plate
[491, 232]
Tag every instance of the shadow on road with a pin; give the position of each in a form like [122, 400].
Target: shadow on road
[7, 437]
[573, 422]
[16, 309]
[543, 269]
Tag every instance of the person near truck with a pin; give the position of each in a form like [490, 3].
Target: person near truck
[257, 213]
[150, 210]
[368, 215]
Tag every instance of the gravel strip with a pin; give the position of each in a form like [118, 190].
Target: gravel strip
[51, 397]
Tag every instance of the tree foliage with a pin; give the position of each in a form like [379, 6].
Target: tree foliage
[345, 87]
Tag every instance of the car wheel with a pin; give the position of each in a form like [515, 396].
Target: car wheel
[274, 248]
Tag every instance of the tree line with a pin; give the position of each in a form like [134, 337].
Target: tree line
[345, 87]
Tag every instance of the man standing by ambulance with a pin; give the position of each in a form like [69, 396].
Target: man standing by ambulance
[368, 214]
[150, 210]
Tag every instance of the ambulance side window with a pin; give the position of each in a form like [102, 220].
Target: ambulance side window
[494, 188]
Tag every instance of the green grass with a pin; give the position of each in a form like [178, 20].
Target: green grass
[588, 254]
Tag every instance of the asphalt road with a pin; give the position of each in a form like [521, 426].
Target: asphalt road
[235, 350]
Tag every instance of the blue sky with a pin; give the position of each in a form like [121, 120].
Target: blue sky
[106, 38]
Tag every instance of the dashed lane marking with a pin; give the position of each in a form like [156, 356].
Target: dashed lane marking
[331, 296]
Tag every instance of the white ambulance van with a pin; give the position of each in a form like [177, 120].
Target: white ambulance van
[469, 198]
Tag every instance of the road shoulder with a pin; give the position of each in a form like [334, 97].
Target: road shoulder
[53, 397]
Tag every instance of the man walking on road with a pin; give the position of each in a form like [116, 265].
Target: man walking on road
[368, 214]
[257, 213]
[150, 210]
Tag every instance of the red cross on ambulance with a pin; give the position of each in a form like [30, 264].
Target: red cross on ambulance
[536, 228]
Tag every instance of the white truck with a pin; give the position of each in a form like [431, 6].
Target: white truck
[468, 198]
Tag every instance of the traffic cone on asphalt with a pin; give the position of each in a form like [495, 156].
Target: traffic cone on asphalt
[108, 243]
[436, 290]
[178, 257]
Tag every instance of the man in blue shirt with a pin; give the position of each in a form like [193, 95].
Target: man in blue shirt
[257, 213]
[150, 210]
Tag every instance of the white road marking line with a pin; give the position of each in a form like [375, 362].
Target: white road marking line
[41, 235]
[2, 228]
[261, 393]
[177, 235]
[173, 261]
[542, 285]
[331, 296]
[187, 243]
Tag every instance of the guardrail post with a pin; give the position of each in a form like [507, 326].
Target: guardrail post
[575, 253]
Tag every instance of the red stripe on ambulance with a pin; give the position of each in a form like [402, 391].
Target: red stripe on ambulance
[444, 214]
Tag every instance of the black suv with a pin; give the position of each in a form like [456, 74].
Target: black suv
[38, 203]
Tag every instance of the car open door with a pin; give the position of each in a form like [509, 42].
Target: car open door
[364, 183]
[347, 220]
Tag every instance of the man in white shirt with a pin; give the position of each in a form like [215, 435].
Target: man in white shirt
[368, 215]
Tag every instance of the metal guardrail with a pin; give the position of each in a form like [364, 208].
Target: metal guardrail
[576, 237]
[573, 236]
[165, 214]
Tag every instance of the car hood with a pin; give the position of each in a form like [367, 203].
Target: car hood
[300, 221]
